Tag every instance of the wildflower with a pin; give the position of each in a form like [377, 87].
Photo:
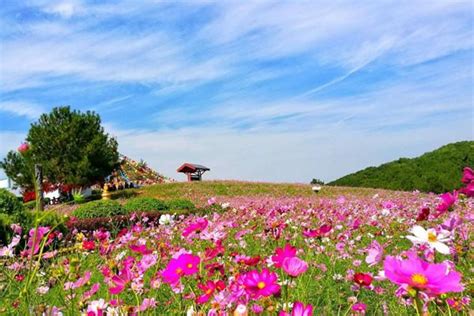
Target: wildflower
[185, 264]
[299, 309]
[146, 262]
[362, 279]
[195, 227]
[19, 277]
[423, 215]
[259, 284]
[120, 281]
[468, 190]
[375, 253]
[96, 308]
[430, 237]
[141, 249]
[36, 235]
[282, 253]
[359, 308]
[42, 290]
[468, 175]
[88, 245]
[241, 310]
[447, 201]
[166, 219]
[209, 288]
[294, 266]
[431, 278]
[211, 201]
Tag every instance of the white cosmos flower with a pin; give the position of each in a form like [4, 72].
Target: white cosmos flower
[166, 219]
[430, 237]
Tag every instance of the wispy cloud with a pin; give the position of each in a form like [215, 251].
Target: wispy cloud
[25, 109]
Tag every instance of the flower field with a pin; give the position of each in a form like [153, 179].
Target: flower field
[387, 253]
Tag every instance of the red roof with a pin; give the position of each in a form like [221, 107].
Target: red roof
[192, 167]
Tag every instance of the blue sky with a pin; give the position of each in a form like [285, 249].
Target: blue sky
[257, 90]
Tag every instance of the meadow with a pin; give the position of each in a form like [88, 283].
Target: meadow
[253, 249]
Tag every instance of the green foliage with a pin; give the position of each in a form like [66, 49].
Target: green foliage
[317, 182]
[437, 171]
[16, 168]
[145, 204]
[10, 205]
[31, 205]
[5, 230]
[78, 197]
[181, 204]
[100, 208]
[72, 147]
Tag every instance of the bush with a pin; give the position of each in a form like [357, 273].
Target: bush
[10, 205]
[5, 230]
[31, 205]
[100, 208]
[145, 204]
[181, 204]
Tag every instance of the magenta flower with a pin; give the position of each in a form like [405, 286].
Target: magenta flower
[299, 309]
[359, 307]
[375, 253]
[468, 190]
[260, 284]
[40, 233]
[294, 266]
[195, 227]
[121, 280]
[142, 249]
[447, 201]
[468, 175]
[282, 253]
[431, 278]
[185, 264]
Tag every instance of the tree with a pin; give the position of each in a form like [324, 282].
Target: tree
[71, 146]
[317, 182]
[17, 170]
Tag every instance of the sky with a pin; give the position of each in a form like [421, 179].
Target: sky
[281, 91]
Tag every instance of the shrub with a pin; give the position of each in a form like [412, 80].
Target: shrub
[100, 208]
[181, 204]
[29, 205]
[5, 230]
[145, 204]
[10, 205]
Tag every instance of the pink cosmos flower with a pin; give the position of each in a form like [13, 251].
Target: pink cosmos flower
[260, 284]
[294, 266]
[375, 253]
[196, 227]
[448, 200]
[185, 264]
[121, 280]
[431, 278]
[41, 232]
[142, 249]
[282, 253]
[468, 190]
[299, 309]
[209, 288]
[79, 283]
[359, 308]
[468, 175]
[146, 262]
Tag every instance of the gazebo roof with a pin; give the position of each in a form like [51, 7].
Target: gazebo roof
[192, 167]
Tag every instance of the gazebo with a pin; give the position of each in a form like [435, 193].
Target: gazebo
[193, 171]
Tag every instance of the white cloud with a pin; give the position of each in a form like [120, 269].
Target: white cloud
[26, 109]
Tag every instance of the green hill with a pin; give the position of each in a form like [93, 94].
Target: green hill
[436, 171]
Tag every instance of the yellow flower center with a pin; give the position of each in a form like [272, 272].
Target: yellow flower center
[432, 237]
[209, 292]
[261, 285]
[179, 270]
[419, 279]
[190, 265]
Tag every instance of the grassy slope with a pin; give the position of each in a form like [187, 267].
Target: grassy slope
[436, 171]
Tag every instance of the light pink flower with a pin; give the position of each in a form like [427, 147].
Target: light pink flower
[294, 266]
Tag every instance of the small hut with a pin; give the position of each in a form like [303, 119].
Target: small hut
[193, 171]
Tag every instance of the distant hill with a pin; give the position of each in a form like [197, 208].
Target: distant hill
[436, 171]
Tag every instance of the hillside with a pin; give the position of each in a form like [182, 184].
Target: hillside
[436, 171]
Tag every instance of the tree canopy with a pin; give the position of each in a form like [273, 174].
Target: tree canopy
[71, 146]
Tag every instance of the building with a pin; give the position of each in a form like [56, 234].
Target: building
[193, 171]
